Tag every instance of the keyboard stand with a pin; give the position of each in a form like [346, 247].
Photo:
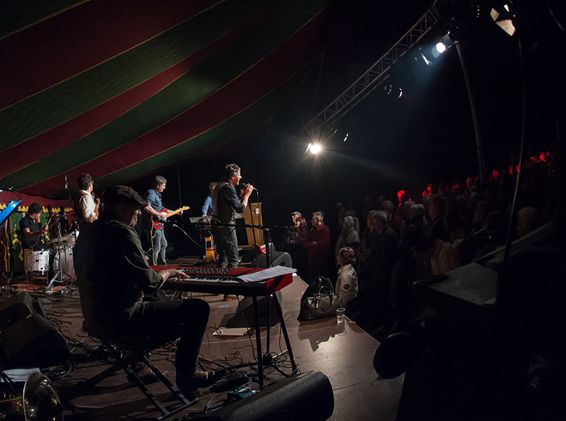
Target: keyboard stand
[264, 359]
[249, 290]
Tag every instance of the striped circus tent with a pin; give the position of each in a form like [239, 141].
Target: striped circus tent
[123, 88]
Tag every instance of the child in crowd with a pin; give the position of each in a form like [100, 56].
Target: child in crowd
[347, 282]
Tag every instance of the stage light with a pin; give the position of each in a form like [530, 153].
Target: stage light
[504, 19]
[394, 91]
[440, 47]
[315, 148]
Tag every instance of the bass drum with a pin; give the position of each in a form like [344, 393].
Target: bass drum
[36, 260]
[63, 260]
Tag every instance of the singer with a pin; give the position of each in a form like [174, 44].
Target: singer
[225, 204]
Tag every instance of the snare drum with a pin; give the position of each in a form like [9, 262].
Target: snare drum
[36, 260]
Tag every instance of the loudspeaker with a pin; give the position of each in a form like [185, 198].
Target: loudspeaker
[278, 258]
[244, 315]
[27, 339]
[305, 397]
[17, 307]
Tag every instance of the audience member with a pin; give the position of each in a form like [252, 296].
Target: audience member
[347, 281]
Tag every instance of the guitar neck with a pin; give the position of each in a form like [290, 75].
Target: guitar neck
[175, 212]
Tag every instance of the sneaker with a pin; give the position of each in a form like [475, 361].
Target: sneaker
[199, 379]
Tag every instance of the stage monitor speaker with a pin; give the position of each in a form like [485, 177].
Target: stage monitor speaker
[17, 307]
[27, 338]
[278, 258]
[244, 315]
[305, 397]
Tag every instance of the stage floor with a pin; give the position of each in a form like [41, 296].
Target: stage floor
[344, 353]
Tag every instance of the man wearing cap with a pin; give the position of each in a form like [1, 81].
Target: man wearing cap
[115, 283]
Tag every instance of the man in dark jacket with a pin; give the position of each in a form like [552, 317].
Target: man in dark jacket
[115, 283]
[225, 204]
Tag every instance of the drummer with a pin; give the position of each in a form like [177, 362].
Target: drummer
[30, 228]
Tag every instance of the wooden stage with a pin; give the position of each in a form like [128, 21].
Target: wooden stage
[344, 353]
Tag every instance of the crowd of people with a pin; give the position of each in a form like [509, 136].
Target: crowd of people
[424, 232]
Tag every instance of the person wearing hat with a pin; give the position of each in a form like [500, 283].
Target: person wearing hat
[118, 288]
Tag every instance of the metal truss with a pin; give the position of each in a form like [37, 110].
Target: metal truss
[376, 74]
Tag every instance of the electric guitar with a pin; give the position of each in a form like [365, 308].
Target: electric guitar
[158, 222]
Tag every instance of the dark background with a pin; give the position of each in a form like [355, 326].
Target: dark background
[426, 135]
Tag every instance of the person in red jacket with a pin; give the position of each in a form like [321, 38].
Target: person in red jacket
[318, 245]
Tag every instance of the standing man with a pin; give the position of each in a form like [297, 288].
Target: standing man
[31, 229]
[156, 209]
[225, 204]
[86, 206]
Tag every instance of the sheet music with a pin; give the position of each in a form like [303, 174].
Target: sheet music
[265, 274]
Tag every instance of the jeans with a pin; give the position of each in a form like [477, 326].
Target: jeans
[227, 245]
[159, 244]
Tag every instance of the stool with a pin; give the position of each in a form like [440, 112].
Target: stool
[124, 353]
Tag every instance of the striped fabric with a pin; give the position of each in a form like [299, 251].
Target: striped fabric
[122, 88]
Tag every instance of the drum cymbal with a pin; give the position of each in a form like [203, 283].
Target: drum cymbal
[65, 238]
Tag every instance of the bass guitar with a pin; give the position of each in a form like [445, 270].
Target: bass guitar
[158, 222]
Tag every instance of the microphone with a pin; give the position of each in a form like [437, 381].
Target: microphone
[242, 186]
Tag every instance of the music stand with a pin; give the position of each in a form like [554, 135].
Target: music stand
[8, 210]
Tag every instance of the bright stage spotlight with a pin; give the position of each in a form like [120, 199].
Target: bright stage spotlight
[315, 148]
[440, 47]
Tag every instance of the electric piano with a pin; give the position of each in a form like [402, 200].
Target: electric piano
[224, 281]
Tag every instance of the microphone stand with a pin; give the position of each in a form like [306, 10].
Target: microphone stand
[59, 272]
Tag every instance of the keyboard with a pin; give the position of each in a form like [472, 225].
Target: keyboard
[224, 281]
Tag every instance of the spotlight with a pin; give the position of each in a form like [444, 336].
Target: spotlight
[504, 19]
[440, 47]
[315, 148]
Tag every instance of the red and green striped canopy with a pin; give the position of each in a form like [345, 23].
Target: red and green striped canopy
[122, 88]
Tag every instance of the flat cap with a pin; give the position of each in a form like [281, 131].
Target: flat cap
[120, 194]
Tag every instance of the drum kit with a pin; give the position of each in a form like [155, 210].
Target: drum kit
[57, 256]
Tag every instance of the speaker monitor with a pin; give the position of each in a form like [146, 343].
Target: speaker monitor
[278, 258]
[305, 397]
[27, 339]
[17, 307]
[245, 316]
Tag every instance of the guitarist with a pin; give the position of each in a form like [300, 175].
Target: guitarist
[156, 209]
